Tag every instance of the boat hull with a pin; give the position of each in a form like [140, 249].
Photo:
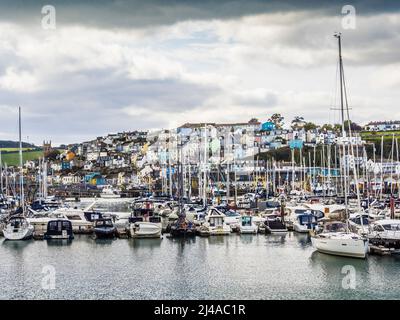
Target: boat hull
[105, 232]
[145, 230]
[355, 248]
[21, 234]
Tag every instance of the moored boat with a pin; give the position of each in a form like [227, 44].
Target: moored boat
[18, 228]
[59, 229]
[104, 228]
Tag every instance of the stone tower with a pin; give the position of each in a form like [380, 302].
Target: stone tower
[46, 148]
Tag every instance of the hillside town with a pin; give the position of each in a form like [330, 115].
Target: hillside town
[139, 159]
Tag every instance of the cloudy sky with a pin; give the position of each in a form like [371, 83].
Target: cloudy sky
[119, 65]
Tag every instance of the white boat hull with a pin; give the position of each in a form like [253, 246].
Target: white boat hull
[300, 228]
[145, 230]
[110, 196]
[341, 245]
[18, 234]
[248, 229]
[219, 231]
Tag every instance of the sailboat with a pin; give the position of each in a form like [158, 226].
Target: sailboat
[183, 227]
[336, 238]
[17, 226]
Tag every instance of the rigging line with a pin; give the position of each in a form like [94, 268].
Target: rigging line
[346, 101]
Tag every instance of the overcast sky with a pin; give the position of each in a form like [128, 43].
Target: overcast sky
[126, 65]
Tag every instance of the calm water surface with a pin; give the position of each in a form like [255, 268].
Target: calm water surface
[231, 267]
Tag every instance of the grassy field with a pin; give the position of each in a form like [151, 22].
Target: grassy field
[14, 149]
[377, 136]
[12, 159]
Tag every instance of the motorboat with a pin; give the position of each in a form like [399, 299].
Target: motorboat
[59, 229]
[144, 223]
[214, 224]
[385, 233]
[18, 228]
[274, 225]
[304, 223]
[247, 225]
[110, 192]
[335, 239]
[104, 228]
[358, 223]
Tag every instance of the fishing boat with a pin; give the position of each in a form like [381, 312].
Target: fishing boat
[18, 228]
[247, 225]
[104, 228]
[59, 229]
[215, 224]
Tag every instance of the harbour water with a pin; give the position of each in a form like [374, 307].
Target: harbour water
[230, 267]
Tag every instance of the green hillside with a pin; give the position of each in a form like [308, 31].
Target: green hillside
[12, 158]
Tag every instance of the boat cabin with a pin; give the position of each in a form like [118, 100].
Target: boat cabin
[308, 220]
[59, 229]
[17, 221]
[93, 215]
[246, 221]
[104, 223]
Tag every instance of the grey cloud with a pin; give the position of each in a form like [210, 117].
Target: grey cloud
[138, 13]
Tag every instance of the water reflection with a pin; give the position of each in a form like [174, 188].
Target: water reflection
[145, 243]
[303, 239]
[332, 264]
[16, 245]
[276, 238]
[58, 242]
[104, 241]
[247, 238]
[216, 240]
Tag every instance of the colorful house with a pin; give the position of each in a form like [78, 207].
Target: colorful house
[95, 179]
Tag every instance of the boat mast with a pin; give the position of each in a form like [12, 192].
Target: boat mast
[1, 175]
[205, 166]
[21, 176]
[339, 37]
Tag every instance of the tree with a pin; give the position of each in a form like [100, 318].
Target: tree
[297, 123]
[327, 127]
[337, 127]
[310, 126]
[277, 120]
[354, 126]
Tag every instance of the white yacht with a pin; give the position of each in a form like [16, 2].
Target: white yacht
[110, 192]
[385, 233]
[79, 217]
[336, 240]
[18, 228]
[247, 225]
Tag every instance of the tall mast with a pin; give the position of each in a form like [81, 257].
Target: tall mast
[21, 176]
[1, 175]
[339, 37]
[205, 166]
